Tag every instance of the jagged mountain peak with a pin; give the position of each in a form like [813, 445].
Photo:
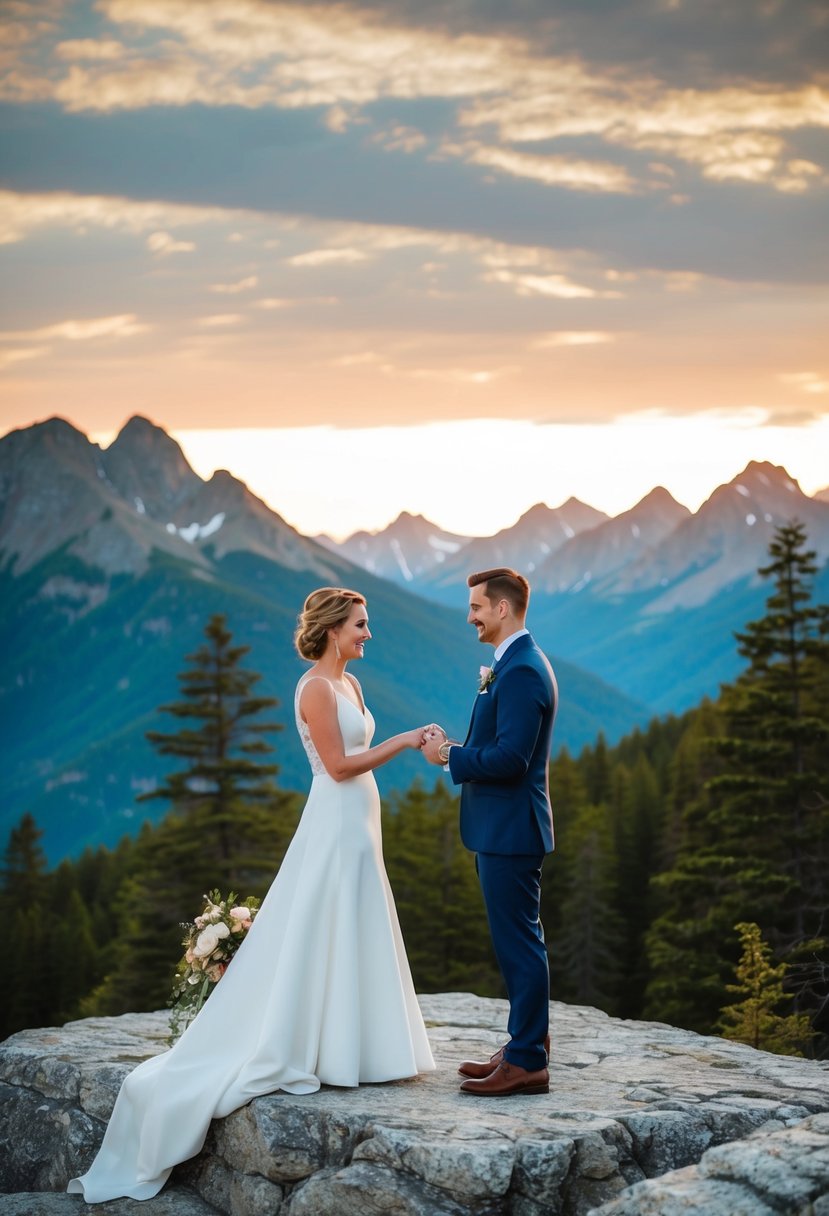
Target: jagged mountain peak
[764, 473]
[660, 497]
[138, 426]
[54, 432]
[406, 524]
[226, 489]
[140, 437]
[56, 426]
[572, 503]
[765, 486]
[148, 469]
[59, 464]
[727, 539]
[591, 557]
[537, 511]
[410, 547]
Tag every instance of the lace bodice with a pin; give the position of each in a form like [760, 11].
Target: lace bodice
[357, 729]
[317, 766]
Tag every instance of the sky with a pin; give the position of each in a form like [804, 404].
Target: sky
[452, 258]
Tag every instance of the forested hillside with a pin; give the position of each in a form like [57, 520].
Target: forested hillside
[665, 842]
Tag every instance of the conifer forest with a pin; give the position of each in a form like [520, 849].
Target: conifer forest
[688, 885]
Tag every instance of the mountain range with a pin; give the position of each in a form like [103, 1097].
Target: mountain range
[648, 600]
[111, 562]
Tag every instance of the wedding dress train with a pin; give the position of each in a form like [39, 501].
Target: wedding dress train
[318, 993]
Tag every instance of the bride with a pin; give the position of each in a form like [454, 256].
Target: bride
[320, 992]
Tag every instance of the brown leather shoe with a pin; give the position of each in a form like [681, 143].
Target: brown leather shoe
[478, 1069]
[509, 1079]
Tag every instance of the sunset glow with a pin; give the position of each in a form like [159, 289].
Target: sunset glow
[358, 244]
[476, 477]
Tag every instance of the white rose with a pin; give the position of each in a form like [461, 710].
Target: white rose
[221, 930]
[206, 942]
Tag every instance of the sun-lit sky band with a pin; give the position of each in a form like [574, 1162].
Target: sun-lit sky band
[465, 477]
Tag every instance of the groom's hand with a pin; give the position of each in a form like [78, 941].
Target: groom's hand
[431, 743]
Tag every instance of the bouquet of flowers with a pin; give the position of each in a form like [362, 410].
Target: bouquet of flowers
[210, 943]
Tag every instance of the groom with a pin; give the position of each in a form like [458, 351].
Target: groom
[506, 820]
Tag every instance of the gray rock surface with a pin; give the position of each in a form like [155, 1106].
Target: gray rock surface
[173, 1201]
[771, 1171]
[629, 1101]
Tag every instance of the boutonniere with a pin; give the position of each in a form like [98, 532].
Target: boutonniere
[485, 679]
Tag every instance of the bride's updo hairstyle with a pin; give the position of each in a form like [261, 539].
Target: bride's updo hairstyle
[324, 609]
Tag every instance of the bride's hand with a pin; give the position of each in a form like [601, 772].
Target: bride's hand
[415, 738]
[433, 731]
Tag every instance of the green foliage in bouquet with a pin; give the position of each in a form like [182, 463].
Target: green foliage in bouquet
[210, 943]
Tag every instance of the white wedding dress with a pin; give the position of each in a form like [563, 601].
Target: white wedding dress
[319, 993]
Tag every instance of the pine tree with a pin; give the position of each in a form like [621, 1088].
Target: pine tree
[569, 799]
[586, 950]
[437, 894]
[640, 821]
[26, 982]
[222, 773]
[754, 844]
[228, 827]
[775, 745]
[70, 955]
[24, 865]
[595, 766]
[753, 1019]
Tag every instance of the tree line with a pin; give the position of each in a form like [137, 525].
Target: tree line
[691, 861]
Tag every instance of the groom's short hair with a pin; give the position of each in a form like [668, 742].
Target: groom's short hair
[503, 583]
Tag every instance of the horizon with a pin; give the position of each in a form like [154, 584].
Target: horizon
[199, 447]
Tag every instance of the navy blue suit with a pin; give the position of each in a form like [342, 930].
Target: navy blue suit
[507, 822]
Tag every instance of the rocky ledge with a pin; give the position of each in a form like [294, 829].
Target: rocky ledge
[641, 1118]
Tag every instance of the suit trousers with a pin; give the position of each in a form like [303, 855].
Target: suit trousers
[511, 887]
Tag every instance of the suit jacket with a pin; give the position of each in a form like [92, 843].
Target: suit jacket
[504, 764]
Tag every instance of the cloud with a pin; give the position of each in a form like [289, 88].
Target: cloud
[256, 54]
[233, 289]
[125, 325]
[459, 375]
[573, 338]
[399, 139]
[807, 382]
[541, 285]
[88, 329]
[325, 257]
[269, 303]
[570, 173]
[217, 320]
[18, 354]
[25, 212]
[360, 359]
[162, 243]
[793, 418]
[91, 48]
[733, 132]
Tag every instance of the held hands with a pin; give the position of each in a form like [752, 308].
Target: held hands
[433, 737]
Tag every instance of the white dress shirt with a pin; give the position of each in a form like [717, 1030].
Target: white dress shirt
[501, 648]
